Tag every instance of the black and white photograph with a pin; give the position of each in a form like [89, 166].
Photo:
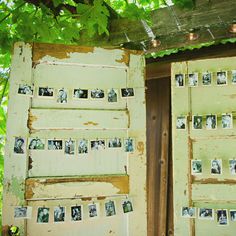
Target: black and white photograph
[227, 121]
[55, 144]
[97, 94]
[129, 144]
[221, 78]
[179, 80]
[93, 210]
[232, 214]
[233, 77]
[193, 79]
[70, 147]
[211, 122]
[80, 93]
[197, 122]
[232, 166]
[22, 212]
[46, 92]
[206, 78]
[43, 215]
[83, 146]
[76, 213]
[110, 208]
[181, 122]
[25, 89]
[114, 143]
[216, 167]
[127, 92]
[36, 144]
[188, 212]
[196, 167]
[206, 213]
[222, 217]
[127, 206]
[98, 145]
[59, 214]
[19, 145]
[62, 95]
[112, 95]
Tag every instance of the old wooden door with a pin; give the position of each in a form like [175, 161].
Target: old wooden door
[75, 142]
[204, 138]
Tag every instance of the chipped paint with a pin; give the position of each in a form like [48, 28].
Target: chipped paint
[31, 119]
[124, 59]
[15, 187]
[140, 147]
[91, 123]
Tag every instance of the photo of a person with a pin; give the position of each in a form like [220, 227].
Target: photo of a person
[211, 122]
[20, 212]
[222, 217]
[62, 96]
[97, 93]
[93, 210]
[227, 121]
[43, 215]
[221, 78]
[206, 78]
[36, 144]
[233, 77]
[45, 92]
[232, 167]
[193, 80]
[97, 145]
[19, 146]
[206, 214]
[76, 213]
[112, 95]
[127, 206]
[232, 214]
[188, 212]
[181, 122]
[179, 80]
[110, 208]
[55, 144]
[80, 93]
[114, 143]
[59, 214]
[196, 167]
[70, 147]
[129, 145]
[197, 122]
[82, 146]
[127, 92]
[216, 167]
[25, 89]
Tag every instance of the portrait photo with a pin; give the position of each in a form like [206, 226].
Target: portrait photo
[22, 212]
[97, 93]
[59, 214]
[129, 144]
[46, 92]
[222, 217]
[206, 78]
[62, 95]
[181, 122]
[206, 214]
[110, 208]
[127, 206]
[76, 213]
[43, 215]
[193, 79]
[232, 167]
[82, 146]
[114, 143]
[227, 121]
[188, 212]
[70, 147]
[216, 167]
[211, 122]
[179, 80]
[112, 95]
[97, 145]
[232, 214]
[25, 89]
[197, 122]
[19, 145]
[233, 77]
[127, 92]
[80, 93]
[55, 144]
[36, 144]
[196, 167]
[221, 78]
[93, 210]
